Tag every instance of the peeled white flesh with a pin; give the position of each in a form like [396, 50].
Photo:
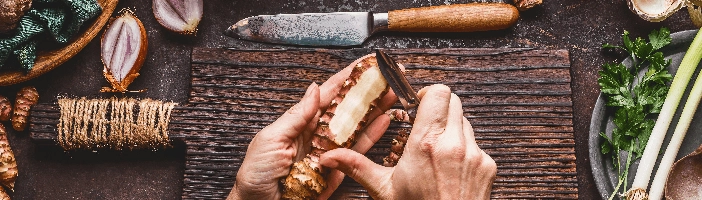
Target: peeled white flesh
[369, 86]
[655, 10]
[121, 46]
[181, 16]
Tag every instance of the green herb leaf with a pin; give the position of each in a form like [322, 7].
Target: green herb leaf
[627, 42]
[660, 38]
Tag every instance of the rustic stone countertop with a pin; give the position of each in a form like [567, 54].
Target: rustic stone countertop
[579, 26]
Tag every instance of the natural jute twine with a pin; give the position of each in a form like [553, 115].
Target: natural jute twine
[99, 123]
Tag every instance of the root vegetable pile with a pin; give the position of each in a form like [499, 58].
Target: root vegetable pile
[26, 97]
[337, 127]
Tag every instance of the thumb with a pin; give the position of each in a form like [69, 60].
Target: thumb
[296, 119]
[373, 177]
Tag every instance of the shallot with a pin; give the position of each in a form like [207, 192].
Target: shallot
[123, 51]
[180, 16]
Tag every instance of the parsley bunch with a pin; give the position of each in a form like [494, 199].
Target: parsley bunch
[634, 97]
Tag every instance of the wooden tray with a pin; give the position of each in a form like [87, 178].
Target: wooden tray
[518, 100]
[48, 60]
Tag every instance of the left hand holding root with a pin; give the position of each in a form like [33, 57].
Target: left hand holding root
[275, 148]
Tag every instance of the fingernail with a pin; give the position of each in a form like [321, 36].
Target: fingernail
[310, 88]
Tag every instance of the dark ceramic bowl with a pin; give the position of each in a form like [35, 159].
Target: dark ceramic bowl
[602, 116]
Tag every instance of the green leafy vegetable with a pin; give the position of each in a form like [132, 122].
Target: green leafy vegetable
[634, 97]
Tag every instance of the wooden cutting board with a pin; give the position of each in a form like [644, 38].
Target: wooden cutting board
[518, 101]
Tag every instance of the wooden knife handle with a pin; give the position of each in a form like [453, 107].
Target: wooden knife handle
[454, 18]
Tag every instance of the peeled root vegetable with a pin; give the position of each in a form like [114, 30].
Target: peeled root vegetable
[8, 165]
[180, 16]
[347, 114]
[123, 51]
[5, 109]
[26, 98]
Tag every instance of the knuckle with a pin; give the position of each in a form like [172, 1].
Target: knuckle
[474, 156]
[489, 164]
[457, 153]
[452, 150]
[428, 143]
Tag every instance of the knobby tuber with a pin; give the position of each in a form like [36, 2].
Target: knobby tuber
[123, 51]
[4, 195]
[10, 13]
[523, 5]
[26, 97]
[398, 144]
[179, 16]
[8, 165]
[5, 109]
[396, 149]
[347, 115]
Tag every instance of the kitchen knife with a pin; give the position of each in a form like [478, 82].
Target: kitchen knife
[352, 28]
[398, 83]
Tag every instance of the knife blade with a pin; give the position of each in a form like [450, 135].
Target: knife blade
[352, 28]
[398, 83]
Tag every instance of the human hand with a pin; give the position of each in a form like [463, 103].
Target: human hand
[276, 147]
[441, 159]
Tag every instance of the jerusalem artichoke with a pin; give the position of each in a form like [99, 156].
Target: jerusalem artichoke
[398, 144]
[26, 97]
[4, 195]
[8, 165]
[347, 114]
[5, 109]
[10, 13]
[523, 5]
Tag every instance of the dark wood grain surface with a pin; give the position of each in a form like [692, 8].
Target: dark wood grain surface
[518, 100]
[579, 26]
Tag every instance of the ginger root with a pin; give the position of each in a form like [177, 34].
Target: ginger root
[26, 97]
[8, 165]
[347, 115]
